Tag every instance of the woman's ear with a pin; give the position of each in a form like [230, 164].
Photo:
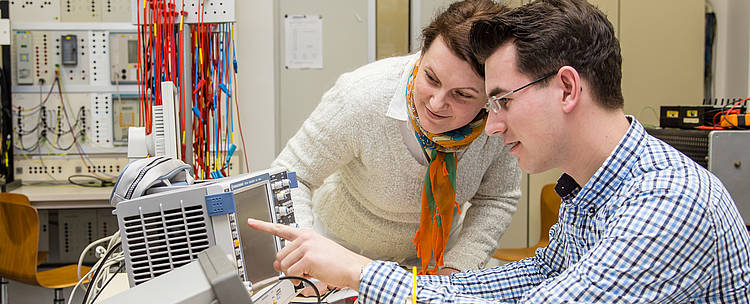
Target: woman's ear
[570, 83]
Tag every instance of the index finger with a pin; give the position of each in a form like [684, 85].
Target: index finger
[282, 231]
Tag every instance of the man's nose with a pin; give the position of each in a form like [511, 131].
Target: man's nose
[495, 124]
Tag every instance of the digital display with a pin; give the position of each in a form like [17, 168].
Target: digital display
[258, 248]
[132, 51]
[124, 116]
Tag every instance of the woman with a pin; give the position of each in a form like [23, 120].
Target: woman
[394, 145]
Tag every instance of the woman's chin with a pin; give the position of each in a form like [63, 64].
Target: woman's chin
[432, 128]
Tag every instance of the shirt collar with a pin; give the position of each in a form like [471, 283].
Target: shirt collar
[397, 107]
[610, 175]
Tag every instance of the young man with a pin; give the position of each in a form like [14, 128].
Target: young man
[639, 222]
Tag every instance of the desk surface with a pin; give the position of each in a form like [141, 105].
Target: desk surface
[65, 196]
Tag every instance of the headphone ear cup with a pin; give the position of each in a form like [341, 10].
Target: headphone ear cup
[141, 175]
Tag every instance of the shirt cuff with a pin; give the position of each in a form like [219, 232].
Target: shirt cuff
[385, 282]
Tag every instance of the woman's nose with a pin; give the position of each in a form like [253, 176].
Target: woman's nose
[438, 101]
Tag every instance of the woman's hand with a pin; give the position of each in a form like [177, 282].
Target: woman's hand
[309, 254]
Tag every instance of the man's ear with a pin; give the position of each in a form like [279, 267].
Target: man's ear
[570, 83]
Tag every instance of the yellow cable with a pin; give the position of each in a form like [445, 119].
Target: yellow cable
[414, 290]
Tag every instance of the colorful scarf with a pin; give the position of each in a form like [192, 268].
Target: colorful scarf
[439, 191]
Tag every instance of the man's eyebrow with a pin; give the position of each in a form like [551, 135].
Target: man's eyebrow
[497, 91]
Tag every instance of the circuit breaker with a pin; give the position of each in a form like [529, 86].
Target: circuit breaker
[24, 58]
[124, 116]
[69, 46]
[123, 57]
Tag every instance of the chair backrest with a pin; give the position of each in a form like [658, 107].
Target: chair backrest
[19, 238]
[550, 208]
[14, 198]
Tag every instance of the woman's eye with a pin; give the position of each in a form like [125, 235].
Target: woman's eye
[432, 79]
[462, 94]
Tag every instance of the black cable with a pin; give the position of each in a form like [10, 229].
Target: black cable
[93, 277]
[328, 293]
[315, 289]
[122, 264]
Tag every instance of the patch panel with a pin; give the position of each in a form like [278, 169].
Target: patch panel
[106, 223]
[44, 71]
[101, 116]
[58, 169]
[73, 230]
[98, 57]
[81, 11]
[80, 111]
[116, 11]
[215, 11]
[30, 118]
[44, 53]
[35, 10]
[43, 230]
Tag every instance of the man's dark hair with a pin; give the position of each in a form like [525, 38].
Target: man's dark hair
[550, 34]
[454, 24]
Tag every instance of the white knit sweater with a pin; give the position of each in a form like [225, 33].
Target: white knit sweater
[362, 186]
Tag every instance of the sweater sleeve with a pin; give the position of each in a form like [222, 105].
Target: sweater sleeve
[488, 216]
[323, 144]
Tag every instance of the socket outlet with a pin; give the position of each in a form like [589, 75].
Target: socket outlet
[58, 169]
[48, 169]
[99, 57]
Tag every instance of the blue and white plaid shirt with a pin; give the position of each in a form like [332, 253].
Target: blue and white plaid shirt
[651, 226]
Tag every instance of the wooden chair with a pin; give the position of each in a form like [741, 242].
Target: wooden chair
[550, 207]
[23, 200]
[19, 240]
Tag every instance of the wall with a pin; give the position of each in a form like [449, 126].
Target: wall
[392, 28]
[731, 48]
[662, 59]
[257, 80]
[422, 12]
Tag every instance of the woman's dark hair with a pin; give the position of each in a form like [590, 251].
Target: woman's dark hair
[454, 25]
[550, 34]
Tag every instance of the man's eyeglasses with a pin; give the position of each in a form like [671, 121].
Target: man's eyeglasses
[499, 102]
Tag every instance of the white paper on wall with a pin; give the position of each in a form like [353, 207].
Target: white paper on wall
[303, 41]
